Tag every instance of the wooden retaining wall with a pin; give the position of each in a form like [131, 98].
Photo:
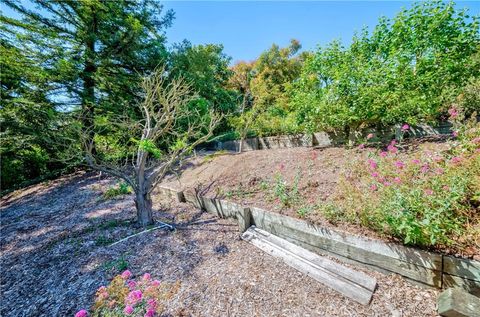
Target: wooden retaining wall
[427, 268]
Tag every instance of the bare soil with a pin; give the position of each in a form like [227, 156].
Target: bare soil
[249, 178]
[55, 252]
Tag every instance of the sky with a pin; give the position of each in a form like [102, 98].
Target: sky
[247, 28]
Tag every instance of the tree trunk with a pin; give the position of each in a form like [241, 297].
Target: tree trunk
[143, 202]
[88, 75]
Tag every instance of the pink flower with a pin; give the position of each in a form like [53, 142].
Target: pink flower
[281, 166]
[102, 292]
[453, 112]
[374, 174]
[476, 140]
[397, 180]
[456, 159]
[373, 187]
[126, 274]
[134, 297]
[81, 313]
[387, 183]
[383, 154]
[415, 161]
[405, 127]
[369, 136]
[361, 146]
[152, 303]
[147, 276]
[455, 134]
[399, 164]
[428, 192]
[132, 284]
[439, 171]
[393, 142]
[373, 165]
[150, 313]
[392, 149]
[424, 168]
[445, 187]
[128, 310]
[155, 283]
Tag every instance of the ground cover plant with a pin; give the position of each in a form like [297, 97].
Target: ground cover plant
[125, 296]
[429, 199]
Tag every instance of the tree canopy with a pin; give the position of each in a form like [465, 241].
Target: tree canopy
[81, 64]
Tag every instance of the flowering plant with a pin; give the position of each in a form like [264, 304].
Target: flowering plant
[125, 296]
[428, 198]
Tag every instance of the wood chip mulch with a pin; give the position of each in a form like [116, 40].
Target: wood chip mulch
[55, 253]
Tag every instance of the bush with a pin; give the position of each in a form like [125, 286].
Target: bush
[426, 199]
[408, 69]
[121, 189]
[127, 297]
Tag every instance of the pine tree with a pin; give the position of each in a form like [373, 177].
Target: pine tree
[93, 53]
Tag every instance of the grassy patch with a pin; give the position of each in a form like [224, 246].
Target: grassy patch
[117, 265]
[119, 190]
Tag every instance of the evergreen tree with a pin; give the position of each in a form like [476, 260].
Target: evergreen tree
[91, 52]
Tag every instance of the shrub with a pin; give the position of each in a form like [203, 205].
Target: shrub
[407, 69]
[127, 297]
[287, 194]
[427, 198]
[119, 190]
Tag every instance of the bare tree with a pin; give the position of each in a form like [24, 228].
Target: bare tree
[167, 133]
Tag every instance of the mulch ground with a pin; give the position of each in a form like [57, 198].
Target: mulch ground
[55, 252]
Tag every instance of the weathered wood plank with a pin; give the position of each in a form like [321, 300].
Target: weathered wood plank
[244, 219]
[455, 302]
[464, 268]
[354, 276]
[415, 264]
[471, 286]
[340, 278]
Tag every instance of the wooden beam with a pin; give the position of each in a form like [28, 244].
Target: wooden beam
[455, 302]
[352, 284]
[418, 265]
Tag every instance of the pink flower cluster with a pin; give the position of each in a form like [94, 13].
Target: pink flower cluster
[141, 296]
[136, 296]
[81, 313]
[453, 112]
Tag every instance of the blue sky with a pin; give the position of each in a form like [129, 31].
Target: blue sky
[248, 28]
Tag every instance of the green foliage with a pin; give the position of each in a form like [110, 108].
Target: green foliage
[32, 144]
[304, 211]
[429, 199]
[205, 67]
[120, 190]
[287, 195]
[59, 58]
[150, 147]
[408, 69]
[117, 265]
[263, 86]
